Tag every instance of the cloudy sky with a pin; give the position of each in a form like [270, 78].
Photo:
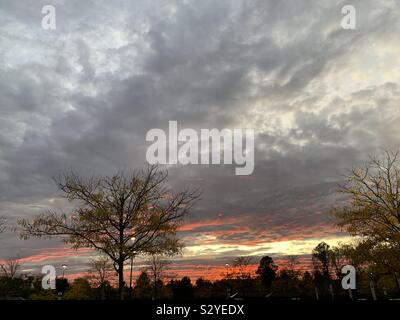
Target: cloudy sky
[83, 96]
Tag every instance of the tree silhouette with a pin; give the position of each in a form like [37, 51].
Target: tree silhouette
[374, 190]
[121, 216]
[158, 266]
[241, 268]
[320, 258]
[143, 286]
[100, 275]
[10, 268]
[100, 271]
[182, 289]
[79, 290]
[267, 271]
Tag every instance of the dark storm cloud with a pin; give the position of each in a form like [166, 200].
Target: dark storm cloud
[85, 95]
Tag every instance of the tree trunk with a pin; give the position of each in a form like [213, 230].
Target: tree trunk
[397, 280]
[121, 283]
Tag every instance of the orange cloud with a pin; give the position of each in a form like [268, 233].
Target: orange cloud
[211, 223]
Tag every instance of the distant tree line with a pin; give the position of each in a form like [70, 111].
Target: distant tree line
[322, 281]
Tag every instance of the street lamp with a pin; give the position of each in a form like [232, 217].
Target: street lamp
[228, 290]
[130, 279]
[64, 266]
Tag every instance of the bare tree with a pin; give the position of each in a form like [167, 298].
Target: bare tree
[121, 216]
[10, 268]
[292, 262]
[100, 271]
[157, 267]
[374, 189]
[241, 267]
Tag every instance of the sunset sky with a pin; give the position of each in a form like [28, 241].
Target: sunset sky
[83, 97]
